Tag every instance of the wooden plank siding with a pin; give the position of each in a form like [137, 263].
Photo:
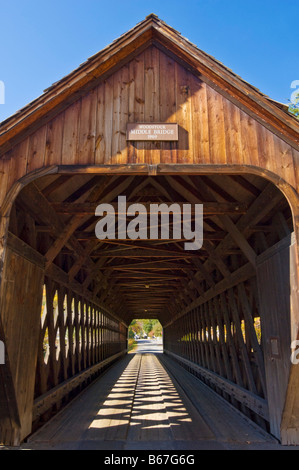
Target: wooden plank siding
[279, 305]
[213, 130]
[20, 317]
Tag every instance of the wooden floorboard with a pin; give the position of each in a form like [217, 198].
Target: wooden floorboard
[148, 401]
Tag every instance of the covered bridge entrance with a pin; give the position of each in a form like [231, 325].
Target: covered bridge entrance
[229, 310]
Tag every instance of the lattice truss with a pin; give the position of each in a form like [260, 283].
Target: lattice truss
[205, 300]
[224, 335]
[75, 334]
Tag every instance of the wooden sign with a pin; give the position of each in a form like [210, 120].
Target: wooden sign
[152, 131]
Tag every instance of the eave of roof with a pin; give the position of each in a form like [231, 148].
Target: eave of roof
[152, 30]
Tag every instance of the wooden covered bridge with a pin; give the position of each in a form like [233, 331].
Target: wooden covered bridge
[229, 310]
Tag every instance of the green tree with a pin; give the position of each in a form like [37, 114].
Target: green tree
[134, 329]
[147, 325]
[294, 106]
[157, 329]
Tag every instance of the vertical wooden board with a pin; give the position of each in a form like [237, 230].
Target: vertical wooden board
[201, 96]
[249, 143]
[273, 280]
[51, 318]
[152, 99]
[9, 415]
[15, 164]
[120, 115]
[187, 116]
[285, 162]
[167, 88]
[251, 134]
[36, 151]
[296, 167]
[83, 337]
[232, 123]
[262, 149]
[19, 161]
[167, 104]
[116, 83]
[124, 115]
[100, 119]
[216, 127]
[131, 153]
[108, 119]
[87, 129]
[29, 343]
[42, 368]
[77, 335]
[272, 163]
[151, 85]
[3, 180]
[62, 329]
[53, 151]
[294, 288]
[137, 101]
[289, 425]
[20, 309]
[70, 134]
[71, 335]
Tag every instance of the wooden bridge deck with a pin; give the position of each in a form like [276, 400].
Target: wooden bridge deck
[147, 401]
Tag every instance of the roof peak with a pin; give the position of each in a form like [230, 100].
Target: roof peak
[152, 15]
[150, 31]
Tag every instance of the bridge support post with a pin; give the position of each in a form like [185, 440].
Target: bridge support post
[289, 428]
[20, 307]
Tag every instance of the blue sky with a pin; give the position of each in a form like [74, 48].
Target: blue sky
[42, 41]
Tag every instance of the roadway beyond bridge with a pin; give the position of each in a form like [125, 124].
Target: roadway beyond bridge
[146, 401]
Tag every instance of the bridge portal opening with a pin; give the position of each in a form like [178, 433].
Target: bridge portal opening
[223, 310]
[146, 328]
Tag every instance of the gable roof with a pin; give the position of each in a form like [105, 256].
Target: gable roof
[150, 31]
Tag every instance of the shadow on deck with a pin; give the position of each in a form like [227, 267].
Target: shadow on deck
[147, 401]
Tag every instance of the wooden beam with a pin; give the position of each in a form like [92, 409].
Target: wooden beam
[111, 192]
[98, 189]
[25, 250]
[245, 397]
[209, 208]
[155, 265]
[239, 239]
[87, 235]
[240, 275]
[60, 241]
[268, 199]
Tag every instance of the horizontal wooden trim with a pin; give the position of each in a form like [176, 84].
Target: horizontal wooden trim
[209, 208]
[281, 245]
[22, 249]
[129, 244]
[253, 402]
[47, 400]
[134, 168]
